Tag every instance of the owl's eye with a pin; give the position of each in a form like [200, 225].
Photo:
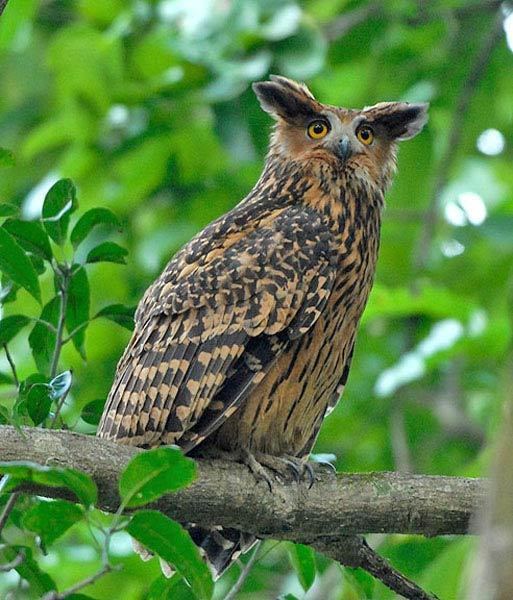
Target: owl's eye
[318, 129]
[365, 135]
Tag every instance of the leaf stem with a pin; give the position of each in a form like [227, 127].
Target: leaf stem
[63, 274]
[12, 365]
[9, 505]
[243, 575]
[62, 400]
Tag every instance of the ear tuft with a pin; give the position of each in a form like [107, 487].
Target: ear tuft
[401, 120]
[286, 99]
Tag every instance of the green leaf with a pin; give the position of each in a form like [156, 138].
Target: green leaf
[153, 473]
[120, 314]
[175, 588]
[107, 252]
[16, 265]
[50, 520]
[303, 561]
[79, 483]
[42, 339]
[11, 326]
[362, 582]
[60, 385]
[5, 415]
[8, 210]
[38, 401]
[77, 312]
[171, 542]
[6, 158]
[59, 203]
[91, 219]
[30, 236]
[6, 379]
[40, 582]
[92, 412]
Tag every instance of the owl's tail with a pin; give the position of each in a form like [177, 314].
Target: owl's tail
[219, 546]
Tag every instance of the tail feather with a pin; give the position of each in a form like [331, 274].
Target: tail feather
[220, 546]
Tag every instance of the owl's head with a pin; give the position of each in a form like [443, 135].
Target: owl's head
[365, 139]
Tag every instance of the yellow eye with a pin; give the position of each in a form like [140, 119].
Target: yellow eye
[365, 135]
[318, 129]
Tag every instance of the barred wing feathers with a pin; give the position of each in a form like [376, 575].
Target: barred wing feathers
[221, 313]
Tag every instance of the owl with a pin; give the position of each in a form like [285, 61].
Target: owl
[243, 344]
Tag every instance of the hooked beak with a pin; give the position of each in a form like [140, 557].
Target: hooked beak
[344, 149]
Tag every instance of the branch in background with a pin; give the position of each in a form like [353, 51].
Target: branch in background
[467, 91]
[227, 494]
[342, 25]
[492, 572]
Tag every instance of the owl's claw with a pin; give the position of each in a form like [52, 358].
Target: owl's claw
[285, 468]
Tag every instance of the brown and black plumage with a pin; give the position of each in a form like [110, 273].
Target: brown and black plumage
[244, 342]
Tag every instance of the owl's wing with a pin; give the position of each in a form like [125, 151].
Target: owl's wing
[229, 313]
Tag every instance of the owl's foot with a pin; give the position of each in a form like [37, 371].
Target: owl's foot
[286, 468]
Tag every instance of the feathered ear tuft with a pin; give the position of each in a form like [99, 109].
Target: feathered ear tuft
[401, 120]
[286, 99]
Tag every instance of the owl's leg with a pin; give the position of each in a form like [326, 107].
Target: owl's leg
[287, 467]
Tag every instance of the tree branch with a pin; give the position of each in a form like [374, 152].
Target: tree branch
[328, 517]
[227, 494]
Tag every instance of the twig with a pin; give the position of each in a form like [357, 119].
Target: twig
[54, 595]
[12, 365]
[243, 575]
[3, 4]
[351, 19]
[64, 282]
[9, 505]
[399, 440]
[20, 557]
[354, 552]
[62, 400]
[477, 70]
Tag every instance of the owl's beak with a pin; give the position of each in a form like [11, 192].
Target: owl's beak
[344, 149]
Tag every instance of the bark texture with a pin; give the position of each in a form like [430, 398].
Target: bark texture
[227, 494]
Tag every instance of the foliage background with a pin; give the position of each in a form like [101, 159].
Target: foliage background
[147, 107]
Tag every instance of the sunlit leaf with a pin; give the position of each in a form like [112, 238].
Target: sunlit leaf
[30, 236]
[88, 221]
[52, 519]
[120, 314]
[171, 542]
[60, 202]
[153, 473]
[107, 252]
[17, 266]
[79, 483]
[11, 326]
[60, 385]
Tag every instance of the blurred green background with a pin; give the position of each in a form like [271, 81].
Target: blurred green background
[147, 107]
